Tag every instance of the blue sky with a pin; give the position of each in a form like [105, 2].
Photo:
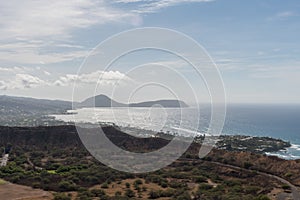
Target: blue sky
[255, 44]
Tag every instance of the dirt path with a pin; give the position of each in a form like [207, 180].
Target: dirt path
[9, 191]
[295, 191]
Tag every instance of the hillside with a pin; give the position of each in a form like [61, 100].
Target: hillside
[104, 101]
[100, 101]
[163, 103]
[53, 159]
[67, 137]
[31, 105]
[21, 111]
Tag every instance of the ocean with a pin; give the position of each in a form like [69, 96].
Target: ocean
[277, 121]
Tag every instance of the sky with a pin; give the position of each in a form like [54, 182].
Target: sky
[255, 45]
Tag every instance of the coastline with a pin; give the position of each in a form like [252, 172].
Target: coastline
[288, 153]
[284, 151]
[58, 153]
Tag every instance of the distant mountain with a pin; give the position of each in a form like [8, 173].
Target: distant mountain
[23, 111]
[31, 105]
[104, 101]
[101, 101]
[163, 103]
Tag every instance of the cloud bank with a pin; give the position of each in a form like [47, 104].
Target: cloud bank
[23, 78]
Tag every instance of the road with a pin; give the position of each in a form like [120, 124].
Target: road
[294, 189]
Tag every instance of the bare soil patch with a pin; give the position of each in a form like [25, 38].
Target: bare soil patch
[9, 191]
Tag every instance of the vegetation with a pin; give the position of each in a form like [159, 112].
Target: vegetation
[58, 162]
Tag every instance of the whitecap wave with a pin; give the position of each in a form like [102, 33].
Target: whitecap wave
[295, 146]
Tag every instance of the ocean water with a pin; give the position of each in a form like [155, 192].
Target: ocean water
[277, 121]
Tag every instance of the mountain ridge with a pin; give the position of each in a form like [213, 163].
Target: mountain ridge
[32, 105]
[104, 101]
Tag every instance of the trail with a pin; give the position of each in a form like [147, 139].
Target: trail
[294, 189]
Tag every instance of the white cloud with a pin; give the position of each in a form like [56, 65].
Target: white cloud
[286, 14]
[59, 18]
[28, 81]
[47, 73]
[41, 18]
[23, 56]
[22, 81]
[279, 71]
[283, 15]
[12, 70]
[3, 85]
[4, 71]
[151, 6]
[19, 77]
[30, 29]
[101, 77]
[173, 64]
[22, 78]
[40, 32]
[32, 32]
[23, 51]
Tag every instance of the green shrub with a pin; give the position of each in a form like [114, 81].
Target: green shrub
[252, 189]
[154, 194]
[183, 196]
[129, 193]
[286, 187]
[262, 197]
[138, 182]
[200, 179]
[167, 193]
[127, 185]
[247, 165]
[61, 196]
[66, 186]
[97, 193]
[104, 185]
[118, 193]
[205, 186]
